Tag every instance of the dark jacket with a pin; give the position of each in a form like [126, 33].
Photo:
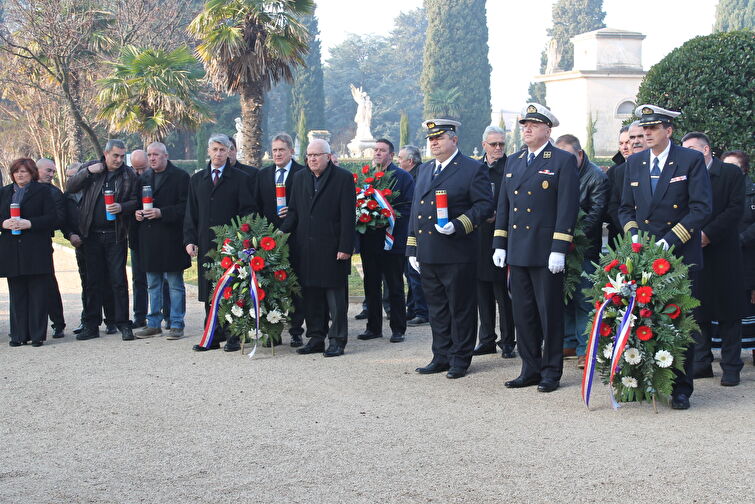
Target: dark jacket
[126, 187]
[403, 184]
[160, 240]
[615, 176]
[210, 205]
[679, 207]
[747, 234]
[593, 198]
[721, 282]
[29, 253]
[486, 270]
[266, 191]
[323, 224]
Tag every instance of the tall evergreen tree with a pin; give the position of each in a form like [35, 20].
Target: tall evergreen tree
[570, 18]
[301, 134]
[456, 56]
[404, 129]
[307, 89]
[734, 15]
[275, 113]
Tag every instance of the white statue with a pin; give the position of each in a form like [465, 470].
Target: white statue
[363, 117]
[239, 137]
[554, 57]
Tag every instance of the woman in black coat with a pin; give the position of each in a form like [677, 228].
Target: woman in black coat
[27, 257]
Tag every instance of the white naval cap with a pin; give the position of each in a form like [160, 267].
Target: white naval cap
[538, 113]
[652, 114]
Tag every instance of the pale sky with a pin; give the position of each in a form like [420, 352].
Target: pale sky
[517, 32]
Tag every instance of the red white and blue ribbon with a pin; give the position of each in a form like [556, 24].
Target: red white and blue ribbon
[592, 353]
[212, 317]
[255, 295]
[619, 344]
[383, 203]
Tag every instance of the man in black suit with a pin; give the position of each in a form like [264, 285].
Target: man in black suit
[492, 284]
[721, 279]
[667, 193]
[282, 171]
[321, 216]
[534, 227]
[216, 195]
[616, 179]
[381, 263]
[446, 255]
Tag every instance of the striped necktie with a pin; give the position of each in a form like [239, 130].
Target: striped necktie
[655, 174]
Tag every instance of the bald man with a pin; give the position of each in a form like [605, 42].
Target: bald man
[139, 163]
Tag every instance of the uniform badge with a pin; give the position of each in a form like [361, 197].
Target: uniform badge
[634, 184]
[545, 184]
[531, 109]
[648, 110]
[547, 154]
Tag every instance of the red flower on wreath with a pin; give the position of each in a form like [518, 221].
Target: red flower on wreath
[361, 202]
[358, 190]
[644, 333]
[385, 212]
[616, 300]
[365, 218]
[387, 192]
[226, 241]
[608, 295]
[379, 174]
[226, 262]
[241, 303]
[267, 243]
[674, 314]
[257, 263]
[245, 228]
[661, 266]
[645, 313]
[605, 330]
[608, 267]
[365, 169]
[372, 204]
[644, 294]
[280, 275]
[597, 305]
[370, 191]
[623, 268]
[227, 293]
[369, 180]
[356, 177]
[247, 244]
[260, 294]
[636, 247]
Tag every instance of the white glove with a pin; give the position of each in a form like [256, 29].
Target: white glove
[499, 257]
[414, 263]
[662, 243]
[636, 238]
[556, 262]
[448, 229]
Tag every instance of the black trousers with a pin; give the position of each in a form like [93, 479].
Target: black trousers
[106, 270]
[139, 294]
[107, 300]
[379, 264]
[451, 296]
[321, 304]
[28, 307]
[538, 305]
[489, 296]
[297, 317]
[730, 332]
[683, 384]
[54, 302]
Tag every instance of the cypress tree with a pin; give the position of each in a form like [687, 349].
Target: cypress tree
[734, 15]
[301, 134]
[456, 56]
[307, 90]
[404, 129]
[570, 18]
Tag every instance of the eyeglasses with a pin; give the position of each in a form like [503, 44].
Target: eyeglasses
[313, 156]
[496, 145]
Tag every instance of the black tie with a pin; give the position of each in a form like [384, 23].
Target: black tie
[437, 170]
[530, 158]
[281, 172]
[655, 174]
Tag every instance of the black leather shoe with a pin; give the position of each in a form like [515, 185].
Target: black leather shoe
[729, 381]
[58, 332]
[520, 382]
[361, 315]
[680, 401]
[335, 348]
[417, 321]
[397, 338]
[87, 334]
[36, 343]
[111, 329]
[704, 373]
[433, 368]
[311, 348]
[484, 349]
[232, 345]
[198, 348]
[79, 329]
[126, 333]
[547, 386]
[15, 343]
[296, 341]
[456, 372]
[368, 335]
[507, 352]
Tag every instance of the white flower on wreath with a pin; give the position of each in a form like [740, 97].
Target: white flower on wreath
[237, 310]
[632, 318]
[274, 316]
[616, 284]
[632, 356]
[663, 358]
[252, 334]
[608, 351]
[227, 249]
[243, 273]
[229, 318]
[251, 313]
[646, 276]
[629, 382]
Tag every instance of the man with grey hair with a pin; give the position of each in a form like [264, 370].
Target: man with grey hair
[103, 226]
[216, 195]
[491, 281]
[282, 170]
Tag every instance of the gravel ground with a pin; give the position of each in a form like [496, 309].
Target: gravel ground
[151, 421]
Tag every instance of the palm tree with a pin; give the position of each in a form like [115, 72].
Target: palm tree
[246, 47]
[444, 103]
[153, 91]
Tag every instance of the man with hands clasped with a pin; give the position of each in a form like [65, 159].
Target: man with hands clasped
[535, 219]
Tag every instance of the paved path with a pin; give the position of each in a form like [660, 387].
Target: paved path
[107, 421]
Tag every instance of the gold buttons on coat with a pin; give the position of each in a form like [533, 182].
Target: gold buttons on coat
[516, 192]
[529, 209]
[514, 226]
[647, 221]
[676, 206]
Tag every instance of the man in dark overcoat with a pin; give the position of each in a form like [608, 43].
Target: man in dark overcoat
[667, 193]
[616, 179]
[534, 227]
[446, 256]
[492, 286]
[721, 279]
[282, 171]
[160, 241]
[217, 194]
[322, 218]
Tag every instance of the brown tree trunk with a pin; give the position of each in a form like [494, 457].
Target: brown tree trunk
[252, 98]
[71, 92]
[190, 150]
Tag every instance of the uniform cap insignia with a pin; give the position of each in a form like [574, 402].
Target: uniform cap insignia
[648, 110]
[531, 109]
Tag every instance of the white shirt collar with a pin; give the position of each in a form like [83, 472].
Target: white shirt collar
[285, 168]
[538, 151]
[212, 169]
[661, 157]
[447, 161]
